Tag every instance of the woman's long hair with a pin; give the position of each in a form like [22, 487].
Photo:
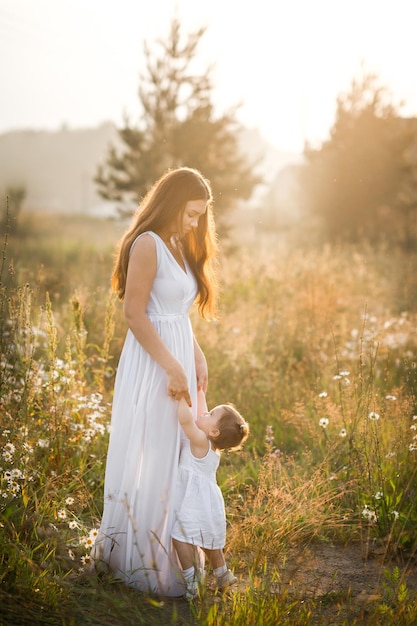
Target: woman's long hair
[164, 204]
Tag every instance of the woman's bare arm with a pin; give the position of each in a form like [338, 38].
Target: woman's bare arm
[140, 276]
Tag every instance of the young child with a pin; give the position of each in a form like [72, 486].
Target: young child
[200, 514]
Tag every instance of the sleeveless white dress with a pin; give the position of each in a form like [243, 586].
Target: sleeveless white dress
[134, 539]
[200, 517]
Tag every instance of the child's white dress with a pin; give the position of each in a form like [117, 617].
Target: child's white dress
[200, 517]
[142, 461]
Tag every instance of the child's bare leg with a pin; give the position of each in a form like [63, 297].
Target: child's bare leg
[192, 563]
[216, 558]
[225, 578]
[187, 554]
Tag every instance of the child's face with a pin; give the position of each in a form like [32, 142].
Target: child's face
[208, 421]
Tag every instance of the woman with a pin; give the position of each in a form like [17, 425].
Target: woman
[164, 264]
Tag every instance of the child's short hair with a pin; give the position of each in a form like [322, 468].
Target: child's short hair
[233, 429]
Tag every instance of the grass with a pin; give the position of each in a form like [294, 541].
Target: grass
[316, 346]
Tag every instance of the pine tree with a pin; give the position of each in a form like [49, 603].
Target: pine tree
[178, 127]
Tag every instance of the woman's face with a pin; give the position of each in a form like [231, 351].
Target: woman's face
[193, 210]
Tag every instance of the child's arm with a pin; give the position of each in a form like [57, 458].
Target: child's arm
[201, 402]
[198, 438]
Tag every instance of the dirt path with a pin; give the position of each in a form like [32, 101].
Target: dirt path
[344, 584]
[346, 579]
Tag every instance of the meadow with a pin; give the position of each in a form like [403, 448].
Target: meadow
[317, 347]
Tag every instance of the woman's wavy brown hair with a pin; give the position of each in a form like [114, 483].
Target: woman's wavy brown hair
[163, 204]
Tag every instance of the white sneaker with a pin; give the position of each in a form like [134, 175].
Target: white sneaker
[192, 587]
[191, 590]
[225, 580]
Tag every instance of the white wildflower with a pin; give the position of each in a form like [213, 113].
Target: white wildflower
[369, 515]
[86, 559]
[9, 447]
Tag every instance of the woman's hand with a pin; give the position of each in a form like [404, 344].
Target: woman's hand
[177, 386]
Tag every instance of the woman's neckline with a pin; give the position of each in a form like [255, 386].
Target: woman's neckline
[175, 252]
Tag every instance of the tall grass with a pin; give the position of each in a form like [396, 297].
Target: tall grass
[314, 346]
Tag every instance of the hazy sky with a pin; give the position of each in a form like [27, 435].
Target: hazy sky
[78, 61]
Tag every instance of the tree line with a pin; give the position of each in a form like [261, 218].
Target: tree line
[360, 184]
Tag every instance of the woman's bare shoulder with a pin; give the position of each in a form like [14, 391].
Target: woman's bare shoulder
[144, 245]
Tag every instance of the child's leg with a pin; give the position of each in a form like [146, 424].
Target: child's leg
[224, 577]
[190, 563]
[187, 554]
[216, 558]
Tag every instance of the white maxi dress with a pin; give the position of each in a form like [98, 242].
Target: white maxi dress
[134, 538]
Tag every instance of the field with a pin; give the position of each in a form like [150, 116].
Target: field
[317, 347]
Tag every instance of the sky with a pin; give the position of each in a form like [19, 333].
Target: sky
[78, 62]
